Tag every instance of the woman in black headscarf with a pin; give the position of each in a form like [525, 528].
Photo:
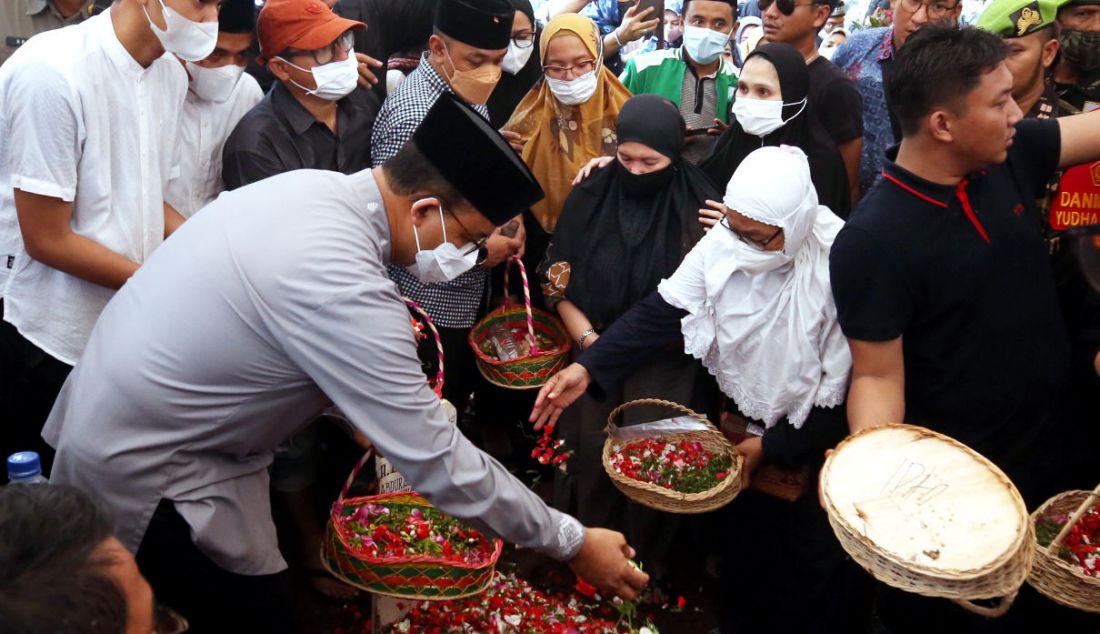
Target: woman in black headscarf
[772, 108]
[620, 233]
[521, 67]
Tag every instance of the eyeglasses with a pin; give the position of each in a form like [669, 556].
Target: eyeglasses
[578, 69]
[786, 7]
[759, 244]
[936, 10]
[328, 54]
[524, 39]
[479, 246]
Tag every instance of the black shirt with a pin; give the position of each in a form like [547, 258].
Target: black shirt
[835, 100]
[653, 325]
[985, 347]
[279, 135]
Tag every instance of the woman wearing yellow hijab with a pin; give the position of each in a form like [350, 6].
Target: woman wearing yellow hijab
[568, 118]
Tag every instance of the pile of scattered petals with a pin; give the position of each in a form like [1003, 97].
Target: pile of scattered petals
[685, 466]
[398, 531]
[1081, 545]
[509, 606]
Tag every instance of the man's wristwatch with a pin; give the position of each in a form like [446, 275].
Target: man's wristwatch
[585, 335]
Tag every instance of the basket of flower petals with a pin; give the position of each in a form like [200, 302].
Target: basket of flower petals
[398, 544]
[678, 465]
[1067, 557]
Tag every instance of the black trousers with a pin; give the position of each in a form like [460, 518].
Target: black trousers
[29, 382]
[212, 599]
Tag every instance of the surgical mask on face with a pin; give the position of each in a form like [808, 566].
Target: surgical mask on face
[474, 85]
[1081, 48]
[189, 40]
[704, 45]
[516, 58]
[761, 117]
[575, 91]
[443, 263]
[214, 84]
[334, 80]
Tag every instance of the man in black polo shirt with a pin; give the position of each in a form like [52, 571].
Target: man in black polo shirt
[942, 280]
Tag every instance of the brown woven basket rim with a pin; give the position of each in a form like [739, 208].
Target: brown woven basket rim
[732, 479]
[564, 345]
[1044, 551]
[498, 544]
[1002, 560]
[475, 590]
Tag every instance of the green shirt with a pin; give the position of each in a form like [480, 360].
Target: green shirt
[21, 19]
[663, 71]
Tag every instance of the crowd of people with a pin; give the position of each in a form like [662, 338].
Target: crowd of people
[212, 211]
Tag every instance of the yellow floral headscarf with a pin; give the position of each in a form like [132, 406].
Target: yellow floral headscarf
[560, 139]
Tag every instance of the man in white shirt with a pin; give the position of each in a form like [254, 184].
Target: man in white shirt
[267, 307]
[218, 95]
[89, 116]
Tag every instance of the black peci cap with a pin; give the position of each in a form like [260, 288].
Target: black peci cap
[477, 160]
[480, 23]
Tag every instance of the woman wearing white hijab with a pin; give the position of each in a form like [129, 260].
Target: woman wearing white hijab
[760, 309]
[753, 302]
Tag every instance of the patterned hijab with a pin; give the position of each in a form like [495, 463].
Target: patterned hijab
[560, 139]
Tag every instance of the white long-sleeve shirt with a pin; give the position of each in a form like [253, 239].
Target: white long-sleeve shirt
[265, 306]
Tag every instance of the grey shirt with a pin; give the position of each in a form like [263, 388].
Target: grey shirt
[267, 305]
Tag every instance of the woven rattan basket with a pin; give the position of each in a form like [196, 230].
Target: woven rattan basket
[420, 577]
[664, 499]
[413, 577]
[1053, 576]
[908, 505]
[535, 368]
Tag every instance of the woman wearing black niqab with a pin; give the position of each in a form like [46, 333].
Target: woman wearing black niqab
[620, 233]
[801, 128]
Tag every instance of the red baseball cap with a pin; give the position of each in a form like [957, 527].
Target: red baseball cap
[306, 25]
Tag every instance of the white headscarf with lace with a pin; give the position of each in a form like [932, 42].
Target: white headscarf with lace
[764, 322]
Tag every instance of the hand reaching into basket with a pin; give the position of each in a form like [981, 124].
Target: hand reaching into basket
[560, 392]
[604, 561]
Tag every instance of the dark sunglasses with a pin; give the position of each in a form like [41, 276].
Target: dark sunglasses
[786, 7]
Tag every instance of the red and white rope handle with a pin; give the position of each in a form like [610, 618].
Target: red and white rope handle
[526, 302]
[438, 387]
[354, 472]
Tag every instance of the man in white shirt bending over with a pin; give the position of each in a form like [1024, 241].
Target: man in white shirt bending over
[219, 93]
[89, 119]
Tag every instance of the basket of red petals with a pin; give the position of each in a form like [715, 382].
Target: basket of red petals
[398, 544]
[672, 468]
[1067, 557]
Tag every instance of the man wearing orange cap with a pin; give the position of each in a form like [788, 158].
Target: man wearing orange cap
[314, 117]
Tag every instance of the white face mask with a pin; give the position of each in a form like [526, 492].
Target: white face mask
[516, 58]
[189, 40]
[214, 84]
[761, 117]
[334, 80]
[704, 45]
[443, 263]
[574, 91]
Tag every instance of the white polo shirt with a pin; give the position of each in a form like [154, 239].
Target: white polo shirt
[204, 127]
[80, 120]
